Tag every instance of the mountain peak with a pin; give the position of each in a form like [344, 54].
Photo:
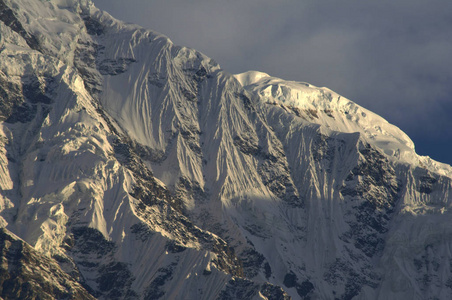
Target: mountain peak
[250, 77]
[141, 169]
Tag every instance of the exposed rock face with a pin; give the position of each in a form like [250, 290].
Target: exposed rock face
[135, 169]
[27, 274]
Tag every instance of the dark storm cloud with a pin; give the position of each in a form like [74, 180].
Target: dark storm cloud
[392, 57]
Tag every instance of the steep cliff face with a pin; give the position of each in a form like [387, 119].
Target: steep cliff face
[28, 274]
[143, 170]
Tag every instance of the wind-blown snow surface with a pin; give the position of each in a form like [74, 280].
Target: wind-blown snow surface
[148, 172]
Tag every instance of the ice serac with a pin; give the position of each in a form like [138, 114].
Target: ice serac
[144, 171]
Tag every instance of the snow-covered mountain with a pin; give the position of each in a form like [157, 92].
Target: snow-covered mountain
[131, 168]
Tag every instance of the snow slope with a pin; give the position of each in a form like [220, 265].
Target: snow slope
[146, 171]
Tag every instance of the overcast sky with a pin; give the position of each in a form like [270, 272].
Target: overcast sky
[393, 57]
